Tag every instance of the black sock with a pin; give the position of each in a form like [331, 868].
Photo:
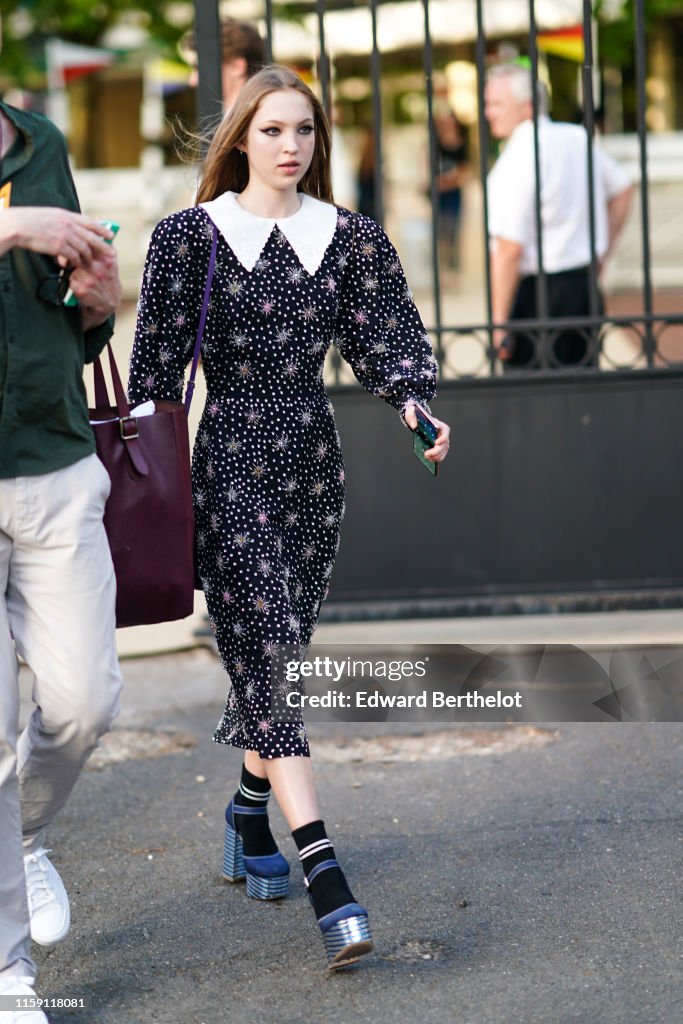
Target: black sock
[329, 890]
[254, 828]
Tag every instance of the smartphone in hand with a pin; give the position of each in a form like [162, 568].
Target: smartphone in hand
[424, 438]
[69, 298]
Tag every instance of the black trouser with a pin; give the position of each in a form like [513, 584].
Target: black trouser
[568, 296]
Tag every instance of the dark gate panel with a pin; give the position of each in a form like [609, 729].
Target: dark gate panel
[556, 487]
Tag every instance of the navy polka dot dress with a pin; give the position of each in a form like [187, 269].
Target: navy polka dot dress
[268, 476]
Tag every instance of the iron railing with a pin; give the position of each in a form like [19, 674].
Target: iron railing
[465, 351]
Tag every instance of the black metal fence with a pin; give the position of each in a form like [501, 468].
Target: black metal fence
[646, 328]
[530, 495]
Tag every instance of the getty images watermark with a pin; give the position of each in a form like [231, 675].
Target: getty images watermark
[352, 670]
[473, 683]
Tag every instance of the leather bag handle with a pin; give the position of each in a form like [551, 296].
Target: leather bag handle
[128, 426]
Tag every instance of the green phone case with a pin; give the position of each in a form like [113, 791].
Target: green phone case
[420, 446]
[71, 299]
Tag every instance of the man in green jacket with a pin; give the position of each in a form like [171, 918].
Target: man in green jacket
[56, 578]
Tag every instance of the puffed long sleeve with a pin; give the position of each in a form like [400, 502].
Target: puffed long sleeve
[169, 308]
[378, 329]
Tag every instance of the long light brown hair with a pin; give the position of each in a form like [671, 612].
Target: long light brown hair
[226, 169]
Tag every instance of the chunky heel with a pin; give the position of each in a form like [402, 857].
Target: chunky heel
[346, 931]
[267, 877]
[347, 939]
[233, 856]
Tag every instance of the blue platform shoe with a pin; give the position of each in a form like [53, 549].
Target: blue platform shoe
[267, 877]
[346, 931]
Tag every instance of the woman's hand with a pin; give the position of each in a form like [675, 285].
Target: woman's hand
[440, 450]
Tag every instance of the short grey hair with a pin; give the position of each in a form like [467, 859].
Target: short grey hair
[520, 83]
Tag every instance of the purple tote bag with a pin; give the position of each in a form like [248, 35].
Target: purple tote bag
[149, 518]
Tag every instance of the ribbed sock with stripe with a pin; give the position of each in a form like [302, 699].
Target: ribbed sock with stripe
[329, 890]
[254, 828]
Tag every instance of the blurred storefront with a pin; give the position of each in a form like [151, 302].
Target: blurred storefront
[125, 119]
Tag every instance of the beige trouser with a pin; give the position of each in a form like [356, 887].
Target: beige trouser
[57, 580]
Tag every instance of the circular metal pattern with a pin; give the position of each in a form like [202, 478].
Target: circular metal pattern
[465, 354]
[668, 350]
[621, 346]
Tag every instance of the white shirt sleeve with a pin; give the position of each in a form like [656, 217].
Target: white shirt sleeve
[511, 187]
[614, 176]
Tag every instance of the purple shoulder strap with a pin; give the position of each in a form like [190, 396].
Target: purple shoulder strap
[202, 321]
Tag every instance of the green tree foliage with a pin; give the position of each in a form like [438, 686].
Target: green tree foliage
[617, 35]
[28, 23]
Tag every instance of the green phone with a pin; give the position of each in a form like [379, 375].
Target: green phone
[424, 436]
[70, 299]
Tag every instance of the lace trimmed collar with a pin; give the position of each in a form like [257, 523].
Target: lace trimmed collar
[309, 231]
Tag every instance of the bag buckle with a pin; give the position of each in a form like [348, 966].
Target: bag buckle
[128, 428]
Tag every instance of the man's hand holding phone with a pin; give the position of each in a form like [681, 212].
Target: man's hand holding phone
[96, 287]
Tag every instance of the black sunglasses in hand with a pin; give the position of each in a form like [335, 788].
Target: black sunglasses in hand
[54, 287]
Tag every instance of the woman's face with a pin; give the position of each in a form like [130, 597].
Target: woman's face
[280, 140]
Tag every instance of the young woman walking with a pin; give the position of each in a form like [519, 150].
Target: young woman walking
[293, 274]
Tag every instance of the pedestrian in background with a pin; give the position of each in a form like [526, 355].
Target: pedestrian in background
[452, 166]
[56, 575]
[564, 197]
[294, 274]
[242, 55]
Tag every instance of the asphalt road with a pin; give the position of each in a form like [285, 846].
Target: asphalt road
[565, 844]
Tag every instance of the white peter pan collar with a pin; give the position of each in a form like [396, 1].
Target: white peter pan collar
[309, 231]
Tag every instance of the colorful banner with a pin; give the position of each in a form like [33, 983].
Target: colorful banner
[69, 61]
[563, 42]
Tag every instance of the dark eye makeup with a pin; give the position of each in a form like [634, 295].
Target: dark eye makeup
[273, 130]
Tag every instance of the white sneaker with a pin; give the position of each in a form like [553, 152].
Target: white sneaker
[23, 988]
[48, 902]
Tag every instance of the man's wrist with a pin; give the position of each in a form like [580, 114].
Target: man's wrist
[10, 236]
[92, 318]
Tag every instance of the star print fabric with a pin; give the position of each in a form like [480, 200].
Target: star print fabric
[267, 471]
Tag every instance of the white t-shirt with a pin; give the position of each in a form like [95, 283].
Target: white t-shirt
[565, 214]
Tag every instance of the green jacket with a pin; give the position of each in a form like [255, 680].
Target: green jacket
[43, 408]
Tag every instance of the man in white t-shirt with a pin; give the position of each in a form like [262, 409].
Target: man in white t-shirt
[565, 222]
